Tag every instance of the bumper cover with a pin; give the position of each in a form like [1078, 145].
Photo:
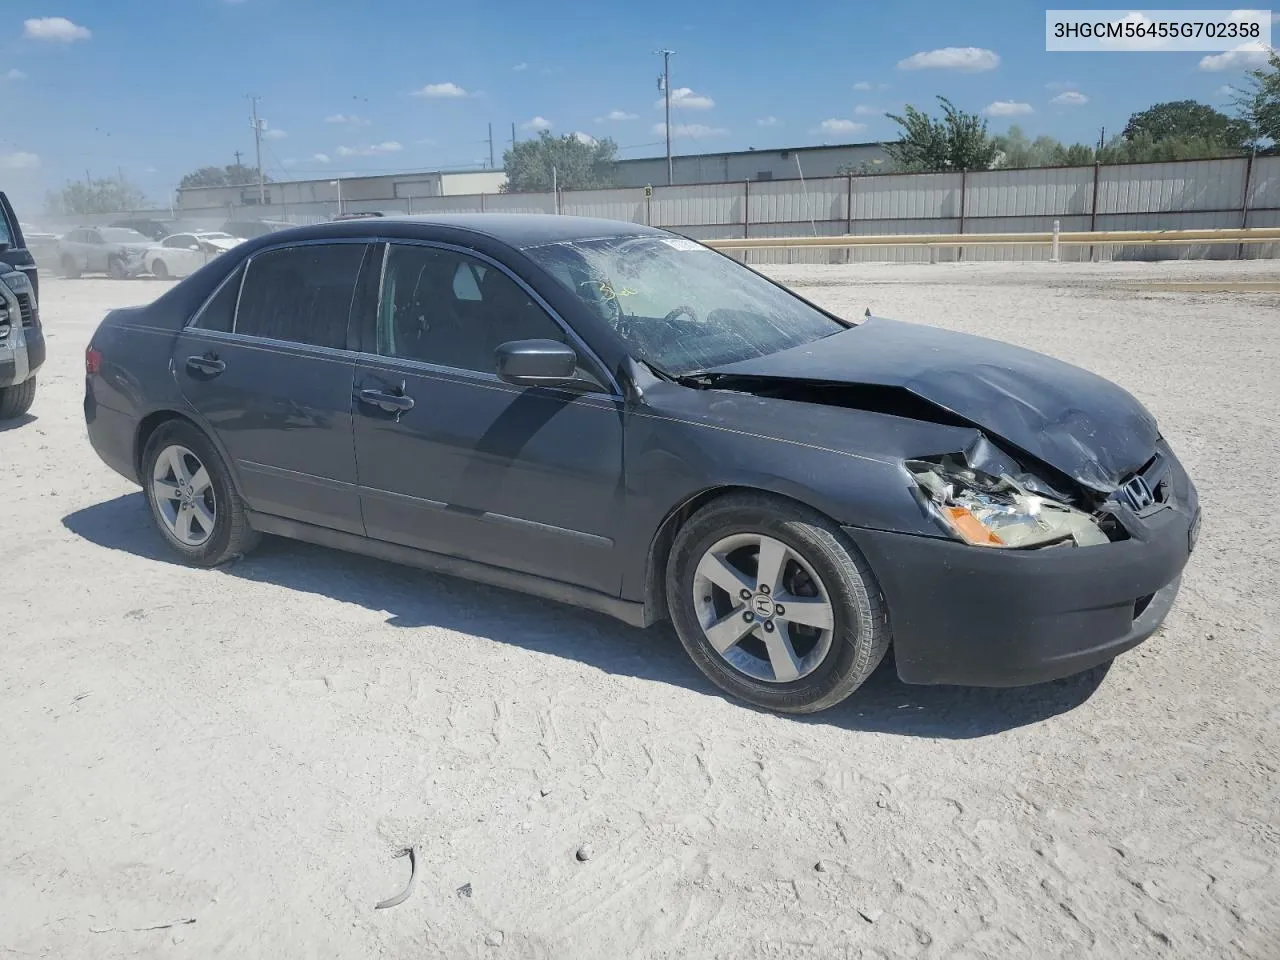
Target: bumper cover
[982, 617]
[22, 353]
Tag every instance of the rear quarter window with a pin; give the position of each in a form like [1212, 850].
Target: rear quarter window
[219, 313]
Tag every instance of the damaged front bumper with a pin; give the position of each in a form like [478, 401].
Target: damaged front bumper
[976, 616]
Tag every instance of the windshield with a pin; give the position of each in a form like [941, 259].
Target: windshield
[680, 306]
[123, 235]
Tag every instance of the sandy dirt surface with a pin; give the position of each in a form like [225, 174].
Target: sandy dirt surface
[237, 756]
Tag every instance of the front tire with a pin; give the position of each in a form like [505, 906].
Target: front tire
[116, 269]
[160, 271]
[69, 268]
[775, 604]
[191, 496]
[17, 399]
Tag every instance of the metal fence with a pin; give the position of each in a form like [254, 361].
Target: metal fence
[1228, 193]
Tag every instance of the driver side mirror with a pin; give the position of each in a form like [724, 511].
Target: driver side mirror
[540, 363]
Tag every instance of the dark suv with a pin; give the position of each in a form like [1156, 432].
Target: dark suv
[14, 254]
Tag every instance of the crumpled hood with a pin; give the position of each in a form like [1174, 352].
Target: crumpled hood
[225, 244]
[1081, 424]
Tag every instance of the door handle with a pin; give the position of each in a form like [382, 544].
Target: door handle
[396, 403]
[209, 365]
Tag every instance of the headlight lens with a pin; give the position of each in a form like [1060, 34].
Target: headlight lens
[989, 511]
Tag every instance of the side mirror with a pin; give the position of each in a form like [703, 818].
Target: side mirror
[532, 363]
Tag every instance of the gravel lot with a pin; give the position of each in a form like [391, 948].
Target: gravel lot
[243, 752]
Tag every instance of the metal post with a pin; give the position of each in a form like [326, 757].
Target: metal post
[746, 208]
[964, 197]
[666, 90]
[1093, 207]
[1053, 246]
[341, 211]
[1244, 200]
[482, 203]
[257, 146]
[555, 188]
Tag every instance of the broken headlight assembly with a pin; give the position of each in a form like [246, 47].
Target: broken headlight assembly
[999, 511]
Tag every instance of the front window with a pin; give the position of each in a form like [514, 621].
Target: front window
[679, 306]
[123, 235]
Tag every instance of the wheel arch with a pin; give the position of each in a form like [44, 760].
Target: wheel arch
[655, 579]
[149, 424]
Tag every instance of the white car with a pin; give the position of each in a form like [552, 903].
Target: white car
[182, 254]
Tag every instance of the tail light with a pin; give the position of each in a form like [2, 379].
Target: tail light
[92, 360]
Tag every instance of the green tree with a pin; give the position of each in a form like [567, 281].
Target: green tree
[578, 162]
[1258, 104]
[95, 196]
[954, 141]
[1189, 122]
[232, 175]
[1018, 150]
[1144, 148]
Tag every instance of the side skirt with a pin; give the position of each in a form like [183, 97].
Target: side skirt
[627, 611]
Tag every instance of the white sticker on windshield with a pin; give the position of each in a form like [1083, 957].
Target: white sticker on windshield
[680, 243]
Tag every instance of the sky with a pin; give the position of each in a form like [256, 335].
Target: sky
[154, 90]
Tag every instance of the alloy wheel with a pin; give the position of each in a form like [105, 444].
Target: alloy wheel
[763, 608]
[184, 496]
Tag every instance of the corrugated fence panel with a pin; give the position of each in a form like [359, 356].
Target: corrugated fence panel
[465, 203]
[830, 228]
[519, 203]
[1191, 220]
[626, 204]
[789, 202]
[1022, 193]
[917, 196]
[1264, 186]
[1175, 187]
[696, 205]
[1027, 225]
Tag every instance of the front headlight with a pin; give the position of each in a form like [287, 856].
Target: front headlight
[989, 511]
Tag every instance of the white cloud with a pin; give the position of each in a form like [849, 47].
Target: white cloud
[836, 125]
[15, 74]
[537, 123]
[865, 111]
[440, 91]
[692, 131]
[1262, 17]
[1243, 57]
[1070, 98]
[863, 85]
[349, 119]
[54, 30]
[520, 67]
[768, 122]
[19, 161]
[585, 138]
[1007, 108]
[320, 157]
[273, 133]
[685, 98]
[952, 58]
[616, 116]
[388, 146]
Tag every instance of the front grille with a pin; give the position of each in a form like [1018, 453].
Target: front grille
[25, 308]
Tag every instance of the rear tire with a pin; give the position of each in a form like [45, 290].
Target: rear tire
[799, 644]
[69, 268]
[160, 271]
[17, 399]
[192, 498]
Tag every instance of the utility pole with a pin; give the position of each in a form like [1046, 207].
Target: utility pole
[513, 134]
[238, 155]
[664, 84]
[490, 146]
[257, 146]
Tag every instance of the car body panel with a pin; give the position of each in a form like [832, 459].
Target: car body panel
[1075, 421]
[90, 251]
[22, 346]
[182, 254]
[571, 494]
[14, 251]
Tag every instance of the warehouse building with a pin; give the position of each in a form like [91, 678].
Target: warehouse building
[739, 165]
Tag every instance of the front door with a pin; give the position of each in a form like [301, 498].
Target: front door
[452, 459]
[273, 378]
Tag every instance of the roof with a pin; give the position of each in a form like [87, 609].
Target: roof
[759, 151]
[518, 230]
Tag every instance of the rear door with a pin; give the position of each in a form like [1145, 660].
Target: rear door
[268, 365]
[13, 247]
[526, 478]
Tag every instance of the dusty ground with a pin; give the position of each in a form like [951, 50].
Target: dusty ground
[248, 749]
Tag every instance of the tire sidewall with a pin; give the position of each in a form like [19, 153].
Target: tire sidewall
[847, 589]
[182, 434]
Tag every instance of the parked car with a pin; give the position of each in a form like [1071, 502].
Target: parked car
[117, 251]
[41, 243]
[361, 215]
[612, 416]
[255, 228]
[22, 349]
[14, 252]
[182, 254]
[154, 229]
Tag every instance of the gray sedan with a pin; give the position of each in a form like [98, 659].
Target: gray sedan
[616, 417]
